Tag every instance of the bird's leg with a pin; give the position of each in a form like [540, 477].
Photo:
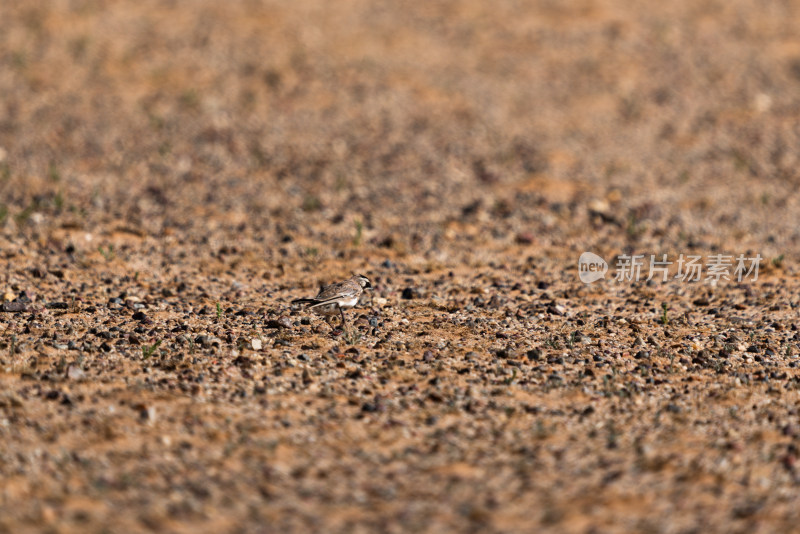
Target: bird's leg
[341, 312]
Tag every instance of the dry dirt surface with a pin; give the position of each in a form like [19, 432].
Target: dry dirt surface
[173, 174]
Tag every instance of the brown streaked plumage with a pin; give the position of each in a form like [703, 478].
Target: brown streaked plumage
[337, 297]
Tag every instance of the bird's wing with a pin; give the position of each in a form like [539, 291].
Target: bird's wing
[319, 303]
[336, 291]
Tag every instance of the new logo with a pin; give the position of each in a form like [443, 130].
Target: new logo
[591, 267]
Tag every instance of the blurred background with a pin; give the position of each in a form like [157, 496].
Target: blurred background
[662, 126]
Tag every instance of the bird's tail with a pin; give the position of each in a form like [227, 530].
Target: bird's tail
[303, 301]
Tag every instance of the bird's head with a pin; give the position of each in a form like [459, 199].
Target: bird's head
[363, 281]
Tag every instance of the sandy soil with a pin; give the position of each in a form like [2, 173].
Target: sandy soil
[173, 174]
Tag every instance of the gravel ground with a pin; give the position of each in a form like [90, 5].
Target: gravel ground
[173, 174]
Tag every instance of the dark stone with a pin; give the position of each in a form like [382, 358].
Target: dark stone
[14, 307]
[525, 238]
[534, 354]
[283, 322]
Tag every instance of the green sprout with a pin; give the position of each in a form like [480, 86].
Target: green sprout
[359, 233]
[52, 172]
[148, 350]
[108, 253]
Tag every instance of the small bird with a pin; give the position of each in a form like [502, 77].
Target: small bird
[337, 297]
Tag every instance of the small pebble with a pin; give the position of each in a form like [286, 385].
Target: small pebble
[74, 372]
